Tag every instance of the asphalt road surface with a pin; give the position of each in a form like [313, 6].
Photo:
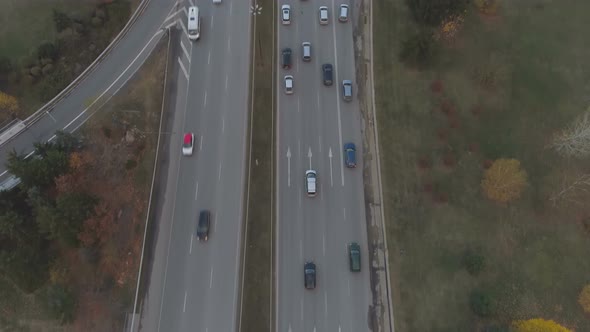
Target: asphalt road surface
[194, 285]
[108, 77]
[313, 125]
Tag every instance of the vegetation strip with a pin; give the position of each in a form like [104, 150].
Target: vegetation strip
[256, 303]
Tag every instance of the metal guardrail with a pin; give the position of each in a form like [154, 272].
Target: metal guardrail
[11, 130]
[67, 90]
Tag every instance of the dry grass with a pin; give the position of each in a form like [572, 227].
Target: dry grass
[501, 89]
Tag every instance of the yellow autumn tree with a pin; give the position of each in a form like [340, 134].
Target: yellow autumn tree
[8, 103]
[451, 26]
[584, 298]
[504, 181]
[538, 325]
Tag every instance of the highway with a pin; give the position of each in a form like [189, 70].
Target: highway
[313, 124]
[194, 285]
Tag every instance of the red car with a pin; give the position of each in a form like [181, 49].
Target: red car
[188, 144]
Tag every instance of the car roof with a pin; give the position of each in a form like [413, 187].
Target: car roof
[349, 145]
[311, 171]
[347, 82]
[286, 7]
[188, 137]
[310, 265]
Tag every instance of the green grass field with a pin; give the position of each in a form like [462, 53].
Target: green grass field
[501, 90]
[27, 23]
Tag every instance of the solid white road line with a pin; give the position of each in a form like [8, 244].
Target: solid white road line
[184, 306]
[190, 250]
[51, 138]
[182, 67]
[211, 279]
[338, 100]
[3, 173]
[30, 154]
[184, 50]
[197, 191]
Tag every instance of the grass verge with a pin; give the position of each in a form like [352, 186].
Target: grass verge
[256, 302]
[501, 88]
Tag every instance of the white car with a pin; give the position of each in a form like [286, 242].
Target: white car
[323, 15]
[311, 182]
[289, 84]
[188, 144]
[286, 14]
[216, 1]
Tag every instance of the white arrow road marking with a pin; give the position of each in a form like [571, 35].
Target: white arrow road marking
[330, 155]
[309, 156]
[183, 69]
[288, 167]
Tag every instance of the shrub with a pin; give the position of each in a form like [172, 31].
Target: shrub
[474, 262]
[418, 48]
[433, 12]
[61, 21]
[504, 181]
[584, 298]
[481, 303]
[47, 50]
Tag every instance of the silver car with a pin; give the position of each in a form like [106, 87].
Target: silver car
[347, 90]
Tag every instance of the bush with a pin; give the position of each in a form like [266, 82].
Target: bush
[47, 50]
[61, 21]
[5, 65]
[474, 262]
[481, 303]
[61, 303]
[419, 48]
[433, 12]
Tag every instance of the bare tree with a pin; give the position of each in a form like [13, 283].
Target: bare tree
[574, 141]
[571, 191]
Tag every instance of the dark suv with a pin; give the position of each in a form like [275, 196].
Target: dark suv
[287, 58]
[327, 71]
[203, 225]
[354, 255]
[309, 275]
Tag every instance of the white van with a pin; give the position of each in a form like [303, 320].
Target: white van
[194, 23]
[343, 13]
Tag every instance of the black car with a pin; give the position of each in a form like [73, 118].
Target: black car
[203, 225]
[327, 71]
[354, 255]
[287, 58]
[309, 275]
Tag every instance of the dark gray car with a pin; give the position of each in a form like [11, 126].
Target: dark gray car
[328, 72]
[309, 275]
[203, 225]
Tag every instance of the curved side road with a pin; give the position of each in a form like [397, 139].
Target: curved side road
[101, 83]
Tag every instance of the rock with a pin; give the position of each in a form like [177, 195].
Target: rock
[35, 71]
[129, 137]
